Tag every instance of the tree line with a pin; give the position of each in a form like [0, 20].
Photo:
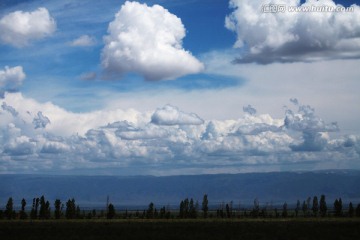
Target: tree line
[188, 209]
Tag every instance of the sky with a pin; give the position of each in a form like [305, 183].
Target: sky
[177, 87]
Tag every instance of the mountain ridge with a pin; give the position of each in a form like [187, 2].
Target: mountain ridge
[243, 188]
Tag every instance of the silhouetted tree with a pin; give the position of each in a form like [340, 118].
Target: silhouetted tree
[304, 208]
[182, 209]
[315, 206]
[323, 207]
[192, 209]
[23, 214]
[351, 210]
[44, 212]
[228, 214]
[204, 205]
[70, 212]
[34, 209]
[9, 209]
[111, 211]
[162, 212]
[338, 207]
[156, 213]
[256, 208]
[150, 211]
[285, 210]
[297, 209]
[185, 208]
[57, 206]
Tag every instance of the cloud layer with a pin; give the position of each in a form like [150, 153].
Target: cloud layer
[20, 28]
[291, 36]
[35, 135]
[148, 41]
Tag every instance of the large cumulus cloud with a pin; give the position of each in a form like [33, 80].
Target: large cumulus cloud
[148, 41]
[20, 28]
[290, 36]
[167, 138]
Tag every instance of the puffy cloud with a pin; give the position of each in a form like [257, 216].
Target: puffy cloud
[40, 121]
[170, 115]
[249, 109]
[11, 79]
[147, 40]
[306, 121]
[311, 126]
[83, 41]
[289, 35]
[16, 144]
[19, 28]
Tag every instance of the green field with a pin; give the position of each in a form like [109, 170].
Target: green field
[182, 229]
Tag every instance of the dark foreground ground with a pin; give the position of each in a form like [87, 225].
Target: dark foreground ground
[182, 229]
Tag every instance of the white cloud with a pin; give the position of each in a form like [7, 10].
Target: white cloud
[294, 36]
[148, 41]
[170, 115]
[249, 109]
[20, 28]
[11, 79]
[83, 41]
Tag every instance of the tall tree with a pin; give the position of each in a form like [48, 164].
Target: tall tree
[182, 209]
[44, 212]
[351, 210]
[256, 208]
[34, 209]
[57, 206]
[323, 207]
[9, 209]
[285, 210]
[315, 206]
[304, 208]
[23, 214]
[204, 205]
[297, 209]
[70, 212]
[111, 211]
[338, 207]
[186, 207]
[150, 211]
[228, 213]
[192, 209]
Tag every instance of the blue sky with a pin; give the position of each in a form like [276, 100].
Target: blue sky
[187, 87]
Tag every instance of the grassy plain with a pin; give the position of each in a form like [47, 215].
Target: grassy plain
[266, 229]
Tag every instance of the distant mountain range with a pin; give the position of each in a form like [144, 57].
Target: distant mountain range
[124, 192]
